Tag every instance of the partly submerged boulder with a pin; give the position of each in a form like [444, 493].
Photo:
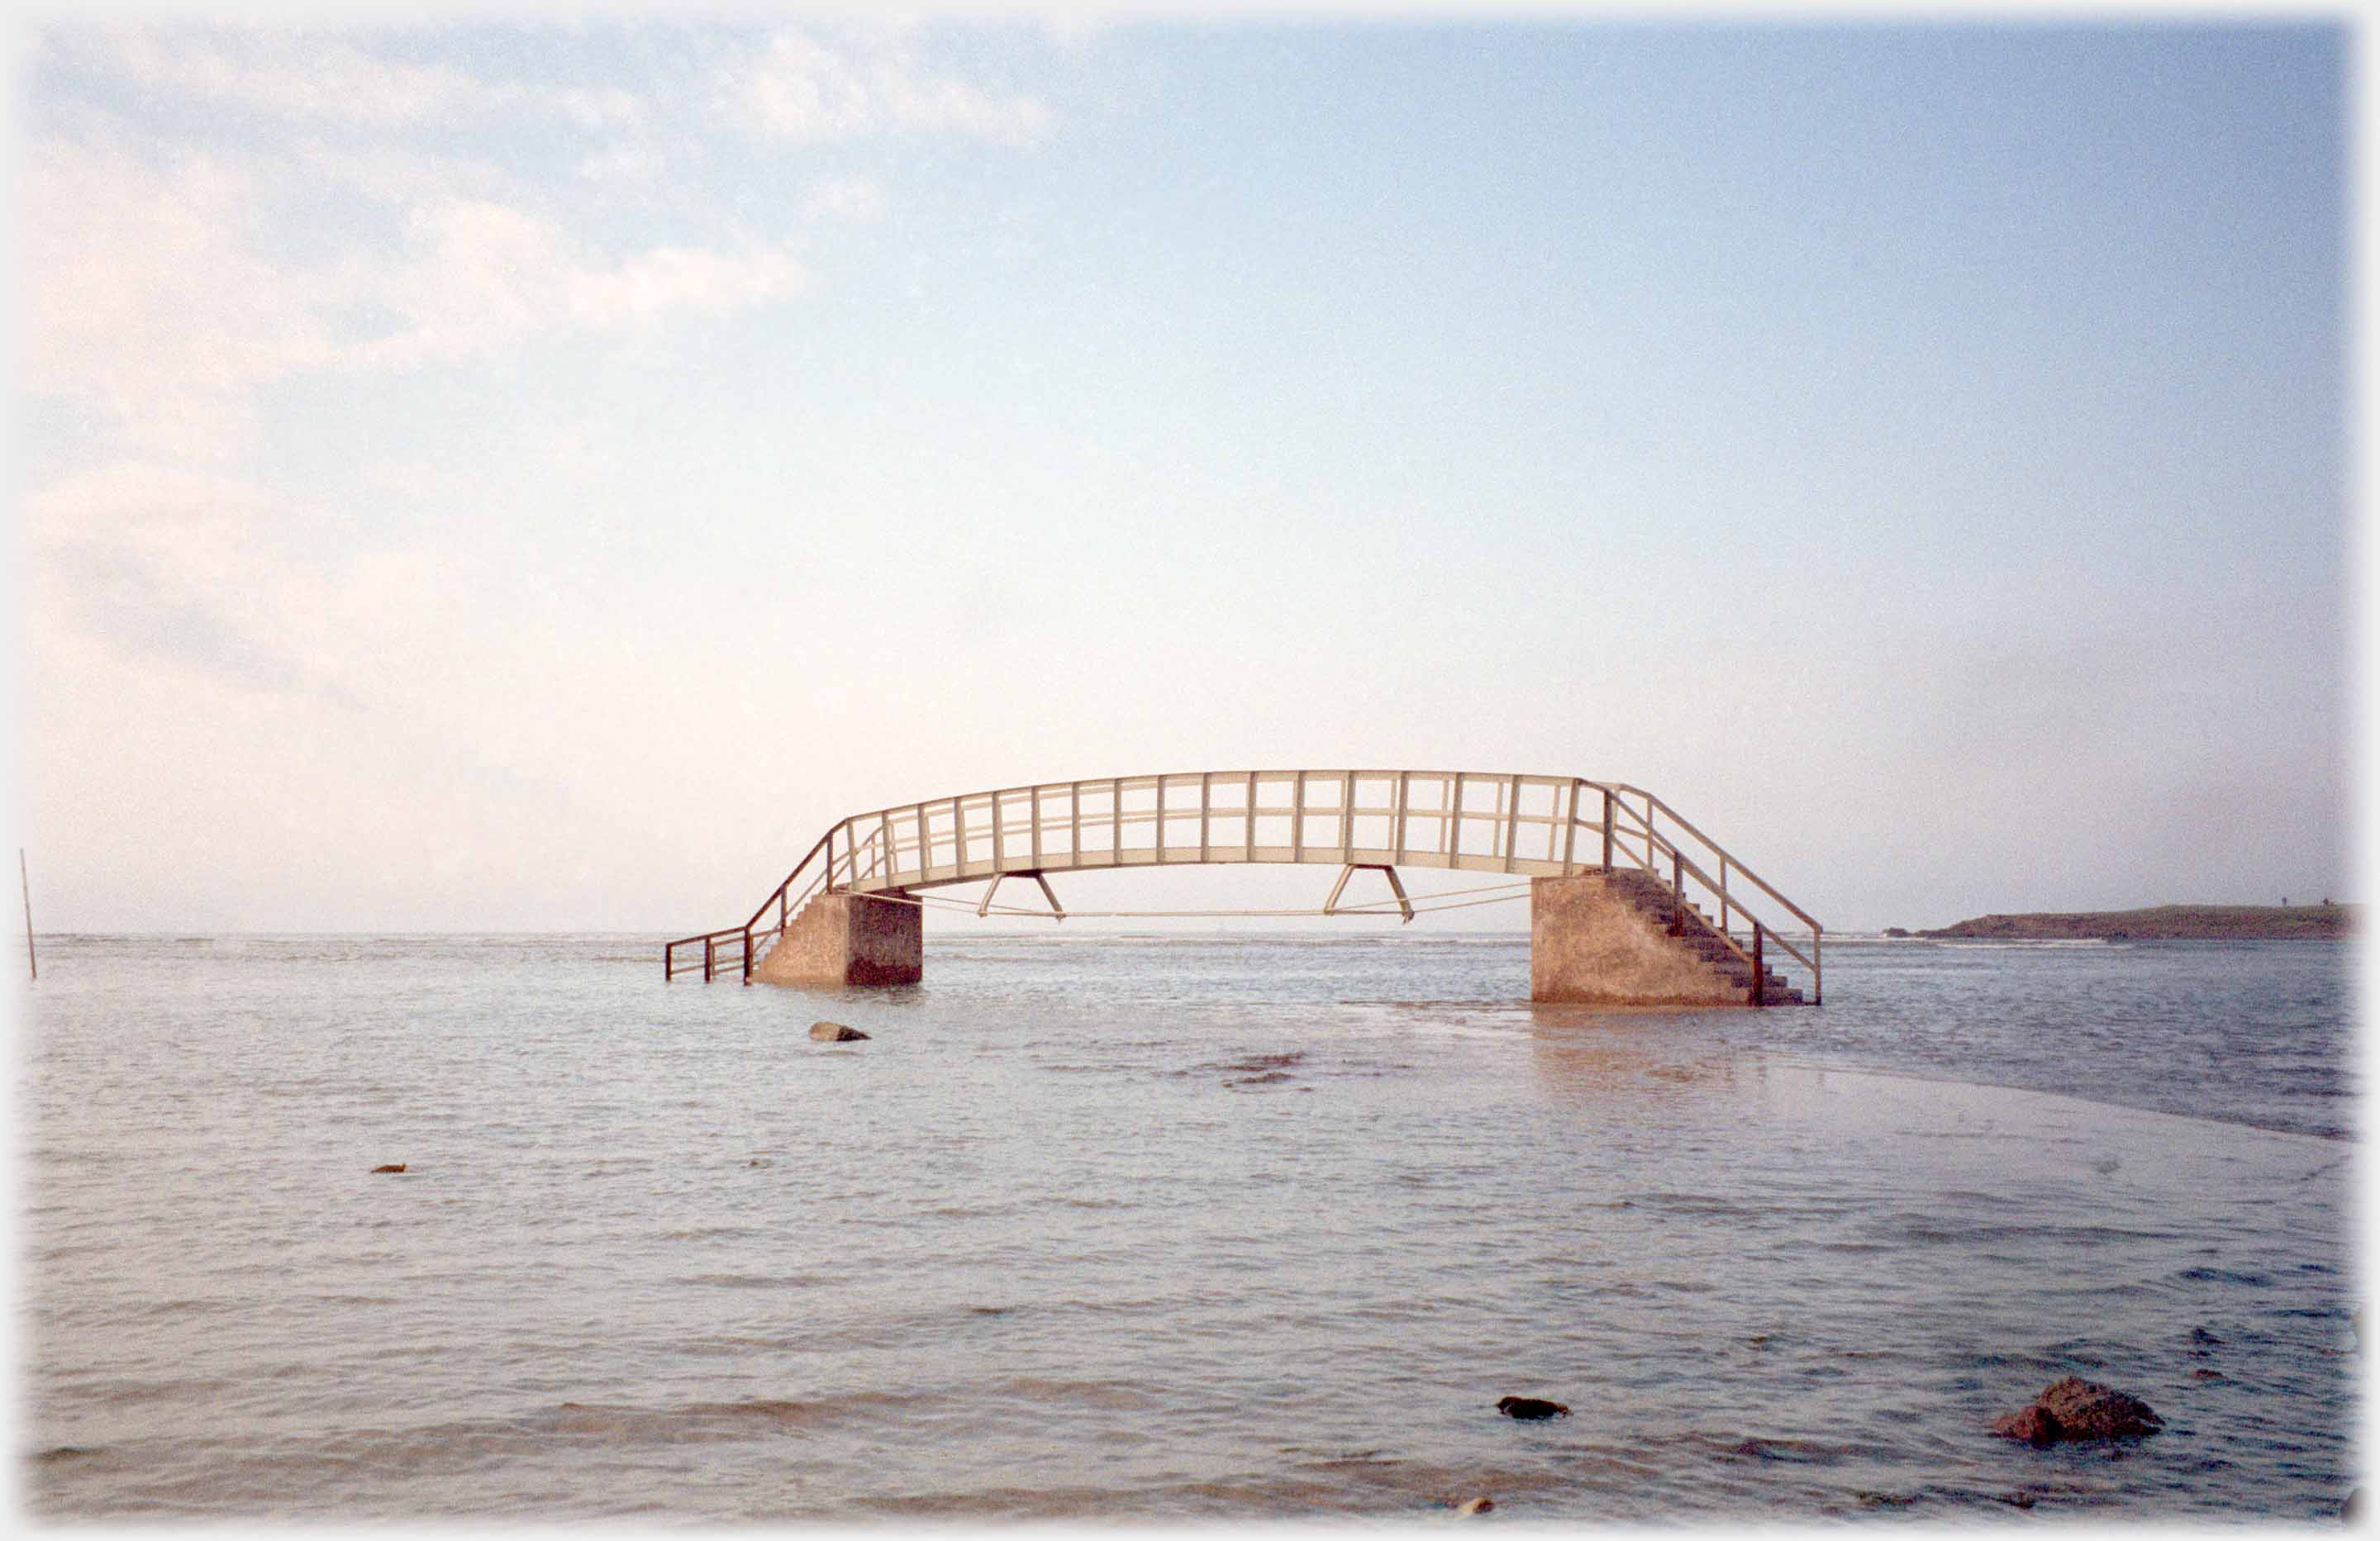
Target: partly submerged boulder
[2036, 1425]
[2079, 1409]
[2086, 1410]
[834, 1032]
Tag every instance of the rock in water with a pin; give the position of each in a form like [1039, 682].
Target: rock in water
[2035, 1426]
[1479, 1505]
[2085, 1410]
[1530, 1407]
[2079, 1409]
[398, 1167]
[834, 1032]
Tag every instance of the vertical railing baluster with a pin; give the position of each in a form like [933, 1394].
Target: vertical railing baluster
[1570, 829]
[1513, 825]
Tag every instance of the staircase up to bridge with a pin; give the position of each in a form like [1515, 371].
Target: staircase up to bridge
[1630, 903]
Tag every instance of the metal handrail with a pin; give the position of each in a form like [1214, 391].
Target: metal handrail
[1683, 865]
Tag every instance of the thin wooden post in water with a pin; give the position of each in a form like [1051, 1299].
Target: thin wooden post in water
[1759, 970]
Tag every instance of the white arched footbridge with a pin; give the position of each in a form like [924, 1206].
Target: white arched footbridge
[848, 911]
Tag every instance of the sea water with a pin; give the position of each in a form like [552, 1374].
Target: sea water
[1174, 1228]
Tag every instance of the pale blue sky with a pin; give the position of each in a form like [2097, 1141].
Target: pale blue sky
[524, 479]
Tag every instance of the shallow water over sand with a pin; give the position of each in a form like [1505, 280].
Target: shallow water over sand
[1173, 1228]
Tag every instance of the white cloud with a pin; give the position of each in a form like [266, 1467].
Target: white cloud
[845, 197]
[162, 565]
[295, 74]
[151, 287]
[802, 88]
[611, 108]
[480, 278]
[621, 163]
[389, 174]
[162, 288]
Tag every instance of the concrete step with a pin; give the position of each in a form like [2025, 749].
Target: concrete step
[1652, 897]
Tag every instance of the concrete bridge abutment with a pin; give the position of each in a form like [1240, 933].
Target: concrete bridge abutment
[1612, 938]
[849, 938]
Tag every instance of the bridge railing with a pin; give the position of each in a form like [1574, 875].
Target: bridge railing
[1700, 868]
[1523, 825]
[739, 947]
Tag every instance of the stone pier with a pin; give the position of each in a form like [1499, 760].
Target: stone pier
[849, 938]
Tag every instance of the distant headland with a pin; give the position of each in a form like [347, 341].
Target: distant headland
[2320, 922]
